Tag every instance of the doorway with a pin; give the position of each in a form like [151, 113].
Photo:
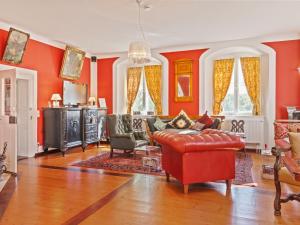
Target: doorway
[18, 114]
[23, 118]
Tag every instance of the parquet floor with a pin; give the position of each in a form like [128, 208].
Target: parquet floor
[49, 191]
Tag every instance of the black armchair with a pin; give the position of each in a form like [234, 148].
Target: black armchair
[122, 136]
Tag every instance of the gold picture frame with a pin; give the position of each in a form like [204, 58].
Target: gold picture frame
[15, 46]
[72, 63]
[184, 80]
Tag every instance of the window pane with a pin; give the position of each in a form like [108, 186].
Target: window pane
[228, 103]
[244, 101]
[143, 102]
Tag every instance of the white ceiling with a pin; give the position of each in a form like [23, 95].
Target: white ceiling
[107, 26]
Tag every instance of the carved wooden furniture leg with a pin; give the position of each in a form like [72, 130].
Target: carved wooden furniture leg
[168, 177]
[277, 201]
[186, 188]
[228, 184]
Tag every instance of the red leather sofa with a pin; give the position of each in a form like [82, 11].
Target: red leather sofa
[201, 157]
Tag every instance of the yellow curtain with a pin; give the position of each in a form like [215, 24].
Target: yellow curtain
[133, 83]
[222, 77]
[153, 79]
[251, 72]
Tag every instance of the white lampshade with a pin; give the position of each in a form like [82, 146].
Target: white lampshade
[139, 52]
[56, 97]
[92, 99]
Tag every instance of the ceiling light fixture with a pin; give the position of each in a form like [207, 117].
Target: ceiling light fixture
[139, 51]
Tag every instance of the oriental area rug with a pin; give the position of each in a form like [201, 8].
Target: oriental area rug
[124, 162]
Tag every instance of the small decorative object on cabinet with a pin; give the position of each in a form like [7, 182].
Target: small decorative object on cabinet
[184, 80]
[90, 123]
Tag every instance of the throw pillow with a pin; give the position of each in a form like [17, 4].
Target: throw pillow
[205, 119]
[181, 121]
[281, 130]
[216, 124]
[197, 126]
[295, 144]
[159, 124]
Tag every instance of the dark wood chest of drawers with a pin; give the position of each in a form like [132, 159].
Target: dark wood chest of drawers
[69, 127]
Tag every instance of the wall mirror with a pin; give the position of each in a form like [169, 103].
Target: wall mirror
[183, 80]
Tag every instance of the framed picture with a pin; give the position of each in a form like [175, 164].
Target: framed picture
[15, 46]
[72, 63]
[102, 103]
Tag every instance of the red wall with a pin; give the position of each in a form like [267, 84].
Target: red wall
[287, 76]
[46, 60]
[105, 81]
[191, 108]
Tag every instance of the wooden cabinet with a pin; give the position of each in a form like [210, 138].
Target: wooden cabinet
[69, 127]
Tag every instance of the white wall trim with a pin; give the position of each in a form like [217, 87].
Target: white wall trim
[208, 45]
[31, 76]
[119, 78]
[36, 37]
[268, 56]
[94, 80]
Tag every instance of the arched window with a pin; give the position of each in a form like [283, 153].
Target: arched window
[237, 100]
[143, 103]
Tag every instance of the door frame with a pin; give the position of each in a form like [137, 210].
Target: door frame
[31, 77]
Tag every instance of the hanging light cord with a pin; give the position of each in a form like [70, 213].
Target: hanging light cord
[139, 2]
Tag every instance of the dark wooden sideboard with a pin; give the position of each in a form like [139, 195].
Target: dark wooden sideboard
[65, 128]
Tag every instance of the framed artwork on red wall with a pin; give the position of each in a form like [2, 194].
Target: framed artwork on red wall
[183, 80]
[15, 46]
[72, 63]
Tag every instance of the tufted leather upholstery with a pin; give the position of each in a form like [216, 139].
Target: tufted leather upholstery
[201, 157]
[206, 140]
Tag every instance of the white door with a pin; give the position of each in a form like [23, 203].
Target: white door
[8, 119]
[23, 117]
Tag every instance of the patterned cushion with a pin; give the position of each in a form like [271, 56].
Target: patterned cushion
[281, 130]
[159, 124]
[120, 129]
[205, 119]
[181, 121]
[197, 126]
[294, 127]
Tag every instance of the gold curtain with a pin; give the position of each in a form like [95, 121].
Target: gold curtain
[222, 77]
[133, 83]
[153, 79]
[251, 72]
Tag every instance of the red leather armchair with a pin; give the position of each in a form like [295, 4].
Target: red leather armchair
[203, 157]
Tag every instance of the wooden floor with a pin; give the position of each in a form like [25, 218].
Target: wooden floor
[49, 191]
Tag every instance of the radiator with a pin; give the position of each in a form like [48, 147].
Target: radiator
[254, 131]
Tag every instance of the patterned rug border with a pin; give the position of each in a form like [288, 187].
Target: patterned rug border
[131, 169]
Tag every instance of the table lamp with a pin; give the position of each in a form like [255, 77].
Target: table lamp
[55, 98]
[92, 101]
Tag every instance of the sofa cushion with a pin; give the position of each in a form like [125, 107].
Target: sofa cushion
[295, 144]
[181, 121]
[150, 123]
[205, 119]
[281, 130]
[197, 126]
[159, 124]
[216, 124]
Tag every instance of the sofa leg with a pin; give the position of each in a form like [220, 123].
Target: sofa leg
[186, 188]
[168, 177]
[228, 184]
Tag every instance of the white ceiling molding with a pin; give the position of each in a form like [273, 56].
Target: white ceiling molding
[36, 37]
[273, 38]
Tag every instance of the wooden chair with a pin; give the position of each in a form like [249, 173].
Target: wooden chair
[286, 170]
[238, 128]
